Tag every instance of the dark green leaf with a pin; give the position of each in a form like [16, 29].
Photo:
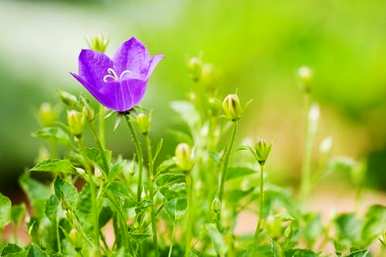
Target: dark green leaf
[17, 213]
[35, 251]
[52, 206]
[66, 192]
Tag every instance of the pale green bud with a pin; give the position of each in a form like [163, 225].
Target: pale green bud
[183, 157]
[98, 43]
[69, 99]
[47, 114]
[232, 107]
[216, 205]
[88, 112]
[76, 121]
[207, 73]
[143, 122]
[262, 151]
[195, 68]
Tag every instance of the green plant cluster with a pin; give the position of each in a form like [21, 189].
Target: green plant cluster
[186, 205]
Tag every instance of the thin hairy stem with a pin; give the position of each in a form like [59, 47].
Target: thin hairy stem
[261, 210]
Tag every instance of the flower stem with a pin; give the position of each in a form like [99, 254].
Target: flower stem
[188, 233]
[138, 149]
[261, 210]
[101, 124]
[225, 161]
[305, 185]
[151, 189]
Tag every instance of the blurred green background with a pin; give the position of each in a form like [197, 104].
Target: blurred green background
[256, 47]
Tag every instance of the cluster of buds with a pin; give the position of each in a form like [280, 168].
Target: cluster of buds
[232, 107]
[200, 71]
[47, 114]
[184, 157]
[143, 121]
[98, 43]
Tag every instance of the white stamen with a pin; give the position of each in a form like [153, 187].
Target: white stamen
[113, 76]
[126, 72]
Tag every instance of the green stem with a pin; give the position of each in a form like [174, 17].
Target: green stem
[224, 166]
[139, 152]
[305, 186]
[101, 148]
[261, 214]
[151, 189]
[172, 239]
[188, 232]
[101, 125]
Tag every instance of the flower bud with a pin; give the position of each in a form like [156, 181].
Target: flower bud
[232, 107]
[216, 205]
[207, 73]
[262, 151]
[183, 157]
[326, 145]
[88, 112]
[305, 76]
[143, 122]
[75, 121]
[215, 106]
[195, 68]
[98, 43]
[47, 114]
[69, 99]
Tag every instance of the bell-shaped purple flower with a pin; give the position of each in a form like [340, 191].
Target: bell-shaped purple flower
[118, 83]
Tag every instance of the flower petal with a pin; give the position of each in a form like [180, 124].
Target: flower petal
[132, 56]
[126, 95]
[152, 64]
[93, 67]
[99, 95]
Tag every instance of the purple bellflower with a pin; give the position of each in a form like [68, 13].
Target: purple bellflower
[118, 83]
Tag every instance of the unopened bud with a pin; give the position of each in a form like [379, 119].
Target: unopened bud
[75, 121]
[195, 68]
[207, 73]
[232, 107]
[69, 99]
[216, 205]
[74, 235]
[326, 145]
[305, 75]
[262, 151]
[143, 122]
[88, 112]
[98, 43]
[47, 114]
[183, 156]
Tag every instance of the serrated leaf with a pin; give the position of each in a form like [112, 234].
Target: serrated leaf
[66, 192]
[54, 166]
[5, 210]
[53, 133]
[52, 206]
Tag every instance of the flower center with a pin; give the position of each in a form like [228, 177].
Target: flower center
[112, 76]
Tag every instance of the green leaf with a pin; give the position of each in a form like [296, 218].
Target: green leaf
[237, 172]
[17, 213]
[300, 253]
[57, 134]
[12, 250]
[348, 231]
[313, 228]
[359, 253]
[66, 192]
[217, 239]
[35, 251]
[52, 206]
[96, 156]
[188, 113]
[54, 166]
[5, 210]
[374, 224]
